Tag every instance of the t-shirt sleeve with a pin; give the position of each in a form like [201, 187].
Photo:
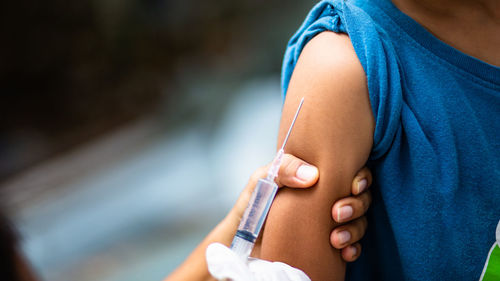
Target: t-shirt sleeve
[377, 56]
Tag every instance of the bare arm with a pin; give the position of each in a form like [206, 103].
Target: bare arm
[195, 266]
[333, 132]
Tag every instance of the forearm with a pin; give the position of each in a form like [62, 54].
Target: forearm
[195, 266]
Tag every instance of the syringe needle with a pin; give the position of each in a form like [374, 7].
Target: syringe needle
[259, 204]
[293, 122]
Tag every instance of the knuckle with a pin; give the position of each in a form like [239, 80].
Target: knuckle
[253, 179]
[288, 161]
[291, 168]
[287, 158]
[258, 174]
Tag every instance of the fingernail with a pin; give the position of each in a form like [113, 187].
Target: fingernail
[343, 237]
[306, 172]
[362, 184]
[344, 213]
[354, 250]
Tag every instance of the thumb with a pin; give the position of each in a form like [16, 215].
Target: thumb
[295, 172]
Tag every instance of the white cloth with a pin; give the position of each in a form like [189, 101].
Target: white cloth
[224, 264]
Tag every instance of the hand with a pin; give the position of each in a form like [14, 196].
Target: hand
[350, 212]
[293, 173]
[296, 173]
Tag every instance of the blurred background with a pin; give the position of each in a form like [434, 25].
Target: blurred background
[128, 128]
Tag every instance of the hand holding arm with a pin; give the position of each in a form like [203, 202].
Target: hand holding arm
[293, 173]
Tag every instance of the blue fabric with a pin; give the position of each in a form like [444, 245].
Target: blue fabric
[436, 151]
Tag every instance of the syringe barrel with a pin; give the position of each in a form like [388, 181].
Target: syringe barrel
[254, 217]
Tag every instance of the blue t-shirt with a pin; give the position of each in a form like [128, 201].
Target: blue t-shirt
[436, 150]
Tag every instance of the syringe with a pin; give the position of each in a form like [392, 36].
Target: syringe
[259, 204]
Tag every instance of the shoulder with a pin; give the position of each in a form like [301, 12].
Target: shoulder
[327, 24]
[331, 77]
[329, 59]
[331, 47]
[340, 53]
[337, 112]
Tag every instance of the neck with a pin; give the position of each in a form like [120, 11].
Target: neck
[470, 26]
[455, 8]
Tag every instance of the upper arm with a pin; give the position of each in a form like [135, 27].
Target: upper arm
[334, 131]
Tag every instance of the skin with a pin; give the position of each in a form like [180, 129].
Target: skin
[23, 268]
[333, 132]
[335, 129]
[471, 26]
[195, 267]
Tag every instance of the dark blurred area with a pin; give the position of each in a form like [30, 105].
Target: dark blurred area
[119, 120]
[72, 70]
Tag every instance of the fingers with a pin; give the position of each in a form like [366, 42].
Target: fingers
[348, 234]
[352, 207]
[295, 172]
[362, 181]
[244, 198]
[351, 253]
[352, 210]
[260, 173]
